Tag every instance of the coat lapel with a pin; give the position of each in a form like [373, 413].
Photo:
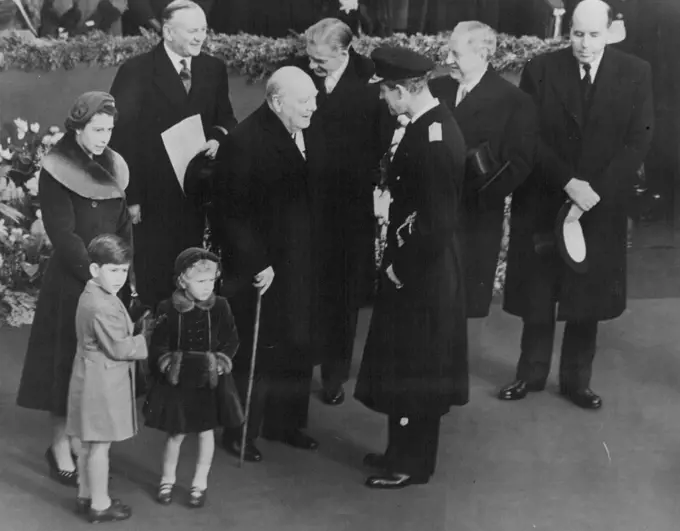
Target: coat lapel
[477, 99]
[199, 80]
[283, 141]
[604, 91]
[566, 81]
[166, 79]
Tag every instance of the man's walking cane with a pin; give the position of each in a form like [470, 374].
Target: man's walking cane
[251, 377]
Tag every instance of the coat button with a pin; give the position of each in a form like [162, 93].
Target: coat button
[398, 178]
[94, 204]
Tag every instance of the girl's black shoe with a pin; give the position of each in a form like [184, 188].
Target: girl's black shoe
[114, 513]
[70, 479]
[197, 497]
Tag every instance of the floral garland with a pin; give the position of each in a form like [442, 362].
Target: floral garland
[250, 55]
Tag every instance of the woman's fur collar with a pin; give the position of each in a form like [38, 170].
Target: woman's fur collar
[183, 304]
[105, 176]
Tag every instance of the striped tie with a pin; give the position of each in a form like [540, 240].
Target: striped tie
[185, 75]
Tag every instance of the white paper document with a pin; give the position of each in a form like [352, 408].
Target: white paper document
[182, 143]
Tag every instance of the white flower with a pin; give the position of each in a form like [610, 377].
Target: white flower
[349, 5]
[32, 186]
[21, 135]
[53, 130]
[6, 153]
[35, 127]
[22, 125]
[3, 228]
[57, 137]
[47, 140]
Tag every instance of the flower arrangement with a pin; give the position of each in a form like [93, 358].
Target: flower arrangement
[24, 245]
[253, 56]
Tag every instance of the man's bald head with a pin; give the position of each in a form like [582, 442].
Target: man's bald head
[286, 79]
[589, 30]
[597, 11]
[291, 94]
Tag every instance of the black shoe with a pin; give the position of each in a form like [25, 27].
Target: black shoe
[333, 397]
[83, 504]
[115, 513]
[517, 390]
[378, 461]
[294, 438]
[233, 446]
[70, 479]
[164, 494]
[394, 481]
[197, 497]
[584, 398]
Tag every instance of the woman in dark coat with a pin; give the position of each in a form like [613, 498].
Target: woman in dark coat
[82, 195]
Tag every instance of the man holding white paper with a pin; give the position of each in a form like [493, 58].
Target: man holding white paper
[169, 99]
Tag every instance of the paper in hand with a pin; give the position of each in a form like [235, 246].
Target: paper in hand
[182, 143]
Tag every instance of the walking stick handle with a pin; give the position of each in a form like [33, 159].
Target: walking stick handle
[251, 377]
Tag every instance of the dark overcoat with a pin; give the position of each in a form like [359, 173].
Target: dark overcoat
[497, 112]
[348, 123]
[151, 98]
[267, 200]
[80, 198]
[604, 147]
[415, 359]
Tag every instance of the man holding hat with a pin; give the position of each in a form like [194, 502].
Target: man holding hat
[596, 118]
[414, 365]
[500, 126]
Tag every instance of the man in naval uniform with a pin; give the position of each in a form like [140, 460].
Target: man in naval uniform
[414, 366]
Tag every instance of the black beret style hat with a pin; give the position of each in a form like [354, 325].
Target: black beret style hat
[188, 257]
[394, 63]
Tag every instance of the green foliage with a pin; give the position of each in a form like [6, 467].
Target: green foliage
[250, 55]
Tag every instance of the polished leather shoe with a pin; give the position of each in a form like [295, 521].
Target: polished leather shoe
[333, 397]
[115, 513]
[378, 461]
[164, 494]
[584, 398]
[252, 453]
[394, 481]
[294, 438]
[83, 504]
[517, 390]
[67, 478]
[197, 497]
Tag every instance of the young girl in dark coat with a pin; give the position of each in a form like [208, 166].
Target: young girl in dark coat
[190, 355]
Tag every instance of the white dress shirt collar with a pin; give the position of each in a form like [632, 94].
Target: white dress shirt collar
[594, 67]
[425, 109]
[332, 79]
[466, 88]
[176, 59]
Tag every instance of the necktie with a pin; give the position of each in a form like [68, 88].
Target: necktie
[396, 139]
[463, 93]
[586, 86]
[185, 75]
[300, 143]
[329, 84]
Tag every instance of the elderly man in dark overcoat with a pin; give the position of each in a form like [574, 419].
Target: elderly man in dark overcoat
[415, 366]
[596, 118]
[348, 121]
[267, 196]
[155, 91]
[499, 123]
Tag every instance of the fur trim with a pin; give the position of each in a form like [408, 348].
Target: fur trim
[211, 361]
[183, 304]
[103, 177]
[174, 367]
